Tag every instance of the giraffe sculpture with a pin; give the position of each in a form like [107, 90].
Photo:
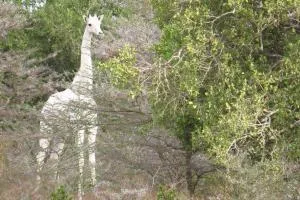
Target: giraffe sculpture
[72, 111]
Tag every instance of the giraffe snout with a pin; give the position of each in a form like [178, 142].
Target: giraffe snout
[100, 33]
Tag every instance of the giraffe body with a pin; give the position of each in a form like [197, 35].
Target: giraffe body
[72, 111]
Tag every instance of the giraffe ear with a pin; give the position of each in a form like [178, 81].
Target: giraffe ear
[101, 17]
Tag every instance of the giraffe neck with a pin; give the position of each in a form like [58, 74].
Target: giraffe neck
[83, 80]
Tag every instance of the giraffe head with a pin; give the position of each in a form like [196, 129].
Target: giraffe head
[93, 24]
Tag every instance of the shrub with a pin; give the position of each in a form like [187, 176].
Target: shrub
[166, 193]
[60, 194]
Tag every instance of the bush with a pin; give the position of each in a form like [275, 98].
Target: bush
[60, 194]
[165, 193]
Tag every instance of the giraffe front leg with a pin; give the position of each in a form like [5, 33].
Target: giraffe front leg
[92, 155]
[56, 152]
[44, 144]
[80, 142]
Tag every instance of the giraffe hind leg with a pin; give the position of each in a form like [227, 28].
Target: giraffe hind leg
[92, 133]
[55, 155]
[80, 143]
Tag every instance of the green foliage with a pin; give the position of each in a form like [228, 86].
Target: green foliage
[230, 68]
[113, 8]
[170, 41]
[58, 27]
[60, 194]
[121, 70]
[165, 193]
[164, 10]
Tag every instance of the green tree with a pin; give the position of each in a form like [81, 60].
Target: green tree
[228, 79]
[121, 70]
[57, 28]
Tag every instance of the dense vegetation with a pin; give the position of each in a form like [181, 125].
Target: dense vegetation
[223, 79]
[230, 82]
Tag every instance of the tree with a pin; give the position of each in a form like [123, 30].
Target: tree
[227, 79]
[57, 28]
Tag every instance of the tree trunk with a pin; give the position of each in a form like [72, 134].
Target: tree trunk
[191, 184]
[189, 174]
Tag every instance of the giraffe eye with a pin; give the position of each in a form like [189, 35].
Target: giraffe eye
[90, 24]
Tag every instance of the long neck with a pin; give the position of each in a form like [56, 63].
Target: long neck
[83, 80]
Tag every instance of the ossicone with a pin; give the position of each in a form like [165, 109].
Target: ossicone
[101, 17]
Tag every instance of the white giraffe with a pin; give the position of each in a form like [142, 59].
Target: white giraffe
[72, 111]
